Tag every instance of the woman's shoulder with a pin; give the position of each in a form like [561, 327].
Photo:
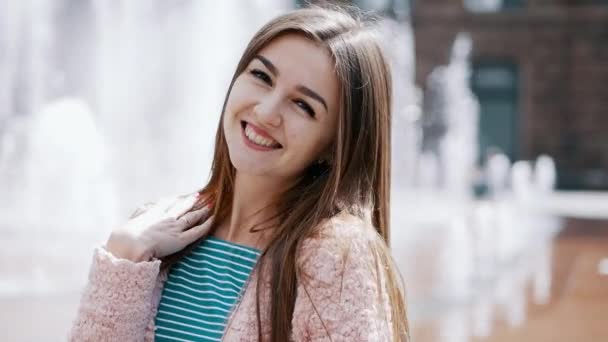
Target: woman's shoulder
[342, 241]
[345, 228]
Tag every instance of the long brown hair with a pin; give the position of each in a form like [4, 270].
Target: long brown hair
[356, 179]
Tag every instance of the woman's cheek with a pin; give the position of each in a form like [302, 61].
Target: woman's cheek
[304, 145]
[241, 93]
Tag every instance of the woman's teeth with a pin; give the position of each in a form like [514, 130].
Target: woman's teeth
[258, 139]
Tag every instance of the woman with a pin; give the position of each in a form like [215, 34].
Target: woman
[288, 239]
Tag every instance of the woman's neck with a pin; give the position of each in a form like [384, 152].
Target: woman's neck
[251, 205]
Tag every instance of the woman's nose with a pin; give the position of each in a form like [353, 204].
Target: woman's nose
[268, 110]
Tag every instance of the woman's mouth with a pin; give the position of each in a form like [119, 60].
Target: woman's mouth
[256, 140]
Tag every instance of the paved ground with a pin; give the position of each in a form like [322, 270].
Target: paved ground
[578, 307]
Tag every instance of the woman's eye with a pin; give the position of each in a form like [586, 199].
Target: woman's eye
[305, 107]
[261, 75]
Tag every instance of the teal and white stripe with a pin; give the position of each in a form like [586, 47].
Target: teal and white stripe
[201, 290]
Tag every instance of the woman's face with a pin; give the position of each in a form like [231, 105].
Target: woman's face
[281, 115]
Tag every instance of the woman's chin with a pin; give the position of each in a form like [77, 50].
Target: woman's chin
[251, 167]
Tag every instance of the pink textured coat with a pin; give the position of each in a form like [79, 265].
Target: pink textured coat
[338, 298]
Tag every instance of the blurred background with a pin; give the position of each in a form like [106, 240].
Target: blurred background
[500, 150]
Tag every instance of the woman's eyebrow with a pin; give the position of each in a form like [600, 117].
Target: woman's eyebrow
[268, 64]
[305, 90]
[312, 94]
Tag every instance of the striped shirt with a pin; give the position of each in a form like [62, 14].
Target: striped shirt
[201, 290]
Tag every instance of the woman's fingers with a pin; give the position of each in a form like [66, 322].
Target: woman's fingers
[197, 232]
[193, 217]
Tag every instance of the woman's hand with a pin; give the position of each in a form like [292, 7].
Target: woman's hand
[160, 229]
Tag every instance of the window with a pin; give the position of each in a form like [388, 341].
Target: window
[374, 5]
[393, 8]
[488, 6]
[508, 4]
[495, 83]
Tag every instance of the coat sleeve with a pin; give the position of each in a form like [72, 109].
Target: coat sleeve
[116, 301]
[338, 294]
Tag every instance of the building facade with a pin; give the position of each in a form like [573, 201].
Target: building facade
[540, 71]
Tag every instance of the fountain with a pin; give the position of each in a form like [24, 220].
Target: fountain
[450, 122]
[104, 105]
[469, 261]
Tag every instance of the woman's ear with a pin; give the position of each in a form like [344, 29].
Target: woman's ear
[326, 156]
[324, 160]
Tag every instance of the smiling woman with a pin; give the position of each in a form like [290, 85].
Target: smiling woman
[275, 123]
[288, 240]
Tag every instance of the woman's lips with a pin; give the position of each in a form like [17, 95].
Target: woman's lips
[253, 145]
[259, 131]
